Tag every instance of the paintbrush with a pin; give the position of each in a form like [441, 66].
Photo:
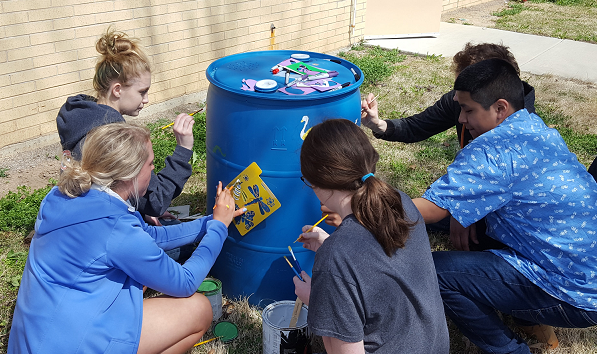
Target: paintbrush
[374, 98]
[312, 227]
[294, 270]
[298, 266]
[230, 189]
[192, 114]
[206, 341]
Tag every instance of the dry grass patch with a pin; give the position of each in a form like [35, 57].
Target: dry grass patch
[551, 20]
[574, 98]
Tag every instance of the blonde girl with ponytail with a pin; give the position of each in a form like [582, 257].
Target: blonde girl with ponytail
[121, 82]
[82, 287]
[373, 287]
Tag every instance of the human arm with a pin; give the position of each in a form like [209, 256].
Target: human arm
[336, 346]
[183, 130]
[139, 253]
[431, 213]
[370, 116]
[435, 119]
[302, 289]
[314, 239]
[461, 236]
[169, 182]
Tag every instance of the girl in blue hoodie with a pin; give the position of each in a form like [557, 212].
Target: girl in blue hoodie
[81, 290]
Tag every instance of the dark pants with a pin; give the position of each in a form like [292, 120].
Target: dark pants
[485, 242]
[475, 284]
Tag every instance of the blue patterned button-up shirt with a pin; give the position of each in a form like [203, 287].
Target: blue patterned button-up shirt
[538, 200]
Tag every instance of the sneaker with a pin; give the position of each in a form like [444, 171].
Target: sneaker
[543, 333]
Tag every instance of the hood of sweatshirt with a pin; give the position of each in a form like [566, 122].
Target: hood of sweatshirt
[58, 210]
[78, 116]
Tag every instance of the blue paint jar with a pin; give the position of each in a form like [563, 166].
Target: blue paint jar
[268, 127]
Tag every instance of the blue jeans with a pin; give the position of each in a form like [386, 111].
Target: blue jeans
[475, 284]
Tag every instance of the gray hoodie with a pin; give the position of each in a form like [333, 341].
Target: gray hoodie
[81, 113]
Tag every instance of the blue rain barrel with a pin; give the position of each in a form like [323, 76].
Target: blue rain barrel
[268, 128]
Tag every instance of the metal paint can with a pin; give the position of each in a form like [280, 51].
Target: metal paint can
[212, 289]
[278, 337]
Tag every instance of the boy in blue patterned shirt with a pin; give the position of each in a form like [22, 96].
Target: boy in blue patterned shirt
[537, 199]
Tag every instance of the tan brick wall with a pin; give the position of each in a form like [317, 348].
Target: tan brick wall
[47, 47]
[448, 5]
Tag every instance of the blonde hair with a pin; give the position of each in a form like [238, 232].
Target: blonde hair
[112, 153]
[121, 59]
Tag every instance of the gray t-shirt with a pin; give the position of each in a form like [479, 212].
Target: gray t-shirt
[391, 303]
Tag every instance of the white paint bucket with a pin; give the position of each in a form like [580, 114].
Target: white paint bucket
[212, 289]
[278, 337]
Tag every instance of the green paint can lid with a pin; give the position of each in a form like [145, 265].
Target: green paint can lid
[210, 286]
[226, 331]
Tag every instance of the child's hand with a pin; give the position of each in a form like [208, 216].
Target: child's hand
[302, 289]
[461, 236]
[183, 130]
[224, 209]
[314, 239]
[333, 218]
[369, 115]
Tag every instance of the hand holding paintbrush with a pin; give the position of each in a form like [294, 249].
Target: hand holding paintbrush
[370, 115]
[313, 236]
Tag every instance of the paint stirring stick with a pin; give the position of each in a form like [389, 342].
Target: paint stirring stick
[298, 305]
[298, 266]
[294, 270]
[462, 137]
[312, 227]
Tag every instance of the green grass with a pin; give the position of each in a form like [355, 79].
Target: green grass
[409, 85]
[18, 210]
[513, 9]
[566, 19]
[376, 63]
[164, 142]
[4, 172]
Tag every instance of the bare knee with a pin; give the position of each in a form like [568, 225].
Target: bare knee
[201, 307]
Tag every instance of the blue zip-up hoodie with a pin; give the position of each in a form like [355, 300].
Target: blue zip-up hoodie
[81, 290]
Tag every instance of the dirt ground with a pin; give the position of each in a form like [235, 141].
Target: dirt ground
[476, 15]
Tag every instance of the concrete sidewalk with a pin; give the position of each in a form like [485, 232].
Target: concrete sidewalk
[534, 54]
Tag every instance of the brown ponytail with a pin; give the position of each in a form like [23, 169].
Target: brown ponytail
[336, 154]
[121, 59]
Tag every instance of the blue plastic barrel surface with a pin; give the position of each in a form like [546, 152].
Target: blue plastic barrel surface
[268, 128]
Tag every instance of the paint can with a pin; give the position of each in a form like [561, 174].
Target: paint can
[212, 289]
[278, 337]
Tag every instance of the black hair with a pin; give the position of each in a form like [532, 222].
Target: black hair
[490, 80]
[335, 155]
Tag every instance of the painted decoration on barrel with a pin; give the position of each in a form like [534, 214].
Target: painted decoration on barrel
[249, 191]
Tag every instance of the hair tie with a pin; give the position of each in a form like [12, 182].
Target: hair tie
[366, 176]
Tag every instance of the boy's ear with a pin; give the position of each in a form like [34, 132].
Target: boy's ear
[503, 109]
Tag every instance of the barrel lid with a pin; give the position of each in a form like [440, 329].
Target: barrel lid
[226, 331]
[210, 286]
[230, 73]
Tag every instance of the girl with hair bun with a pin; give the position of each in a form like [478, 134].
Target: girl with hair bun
[374, 288]
[121, 82]
[81, 290]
